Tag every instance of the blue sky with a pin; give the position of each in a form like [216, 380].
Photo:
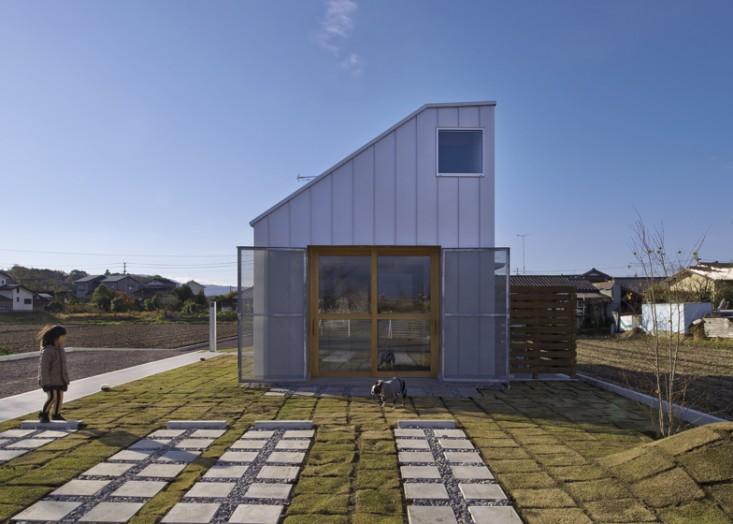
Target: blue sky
[152, 132]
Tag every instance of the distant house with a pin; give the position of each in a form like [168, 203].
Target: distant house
[123, 283]
[84, 287]
[705, 280]
[591, 307]
[195, 287]
[13, 296]
[156, 286]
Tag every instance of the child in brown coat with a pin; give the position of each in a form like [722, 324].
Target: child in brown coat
[53, 375]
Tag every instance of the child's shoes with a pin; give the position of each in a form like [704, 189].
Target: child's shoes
[58, 416]
[43, 418]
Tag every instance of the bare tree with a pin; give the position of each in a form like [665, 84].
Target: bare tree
[666, 335]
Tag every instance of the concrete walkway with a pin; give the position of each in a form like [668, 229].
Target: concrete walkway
[25, 403]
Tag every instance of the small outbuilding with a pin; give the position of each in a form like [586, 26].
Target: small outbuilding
[385, 264]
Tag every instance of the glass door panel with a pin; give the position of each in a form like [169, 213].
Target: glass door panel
[404, 345]
[345, 345]
[344, 284]
[403, 284]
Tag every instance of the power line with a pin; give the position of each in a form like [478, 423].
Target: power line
[147, 255]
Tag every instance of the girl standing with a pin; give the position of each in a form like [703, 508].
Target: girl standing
[53, 375]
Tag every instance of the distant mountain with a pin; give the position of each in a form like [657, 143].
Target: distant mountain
[212, 290]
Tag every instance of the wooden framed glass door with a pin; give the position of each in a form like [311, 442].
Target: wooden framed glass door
[374, 311]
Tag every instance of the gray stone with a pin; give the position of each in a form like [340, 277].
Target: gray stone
[430, 515]
[16, 433]
[260, 490]
[274, 394]
[467, 457]
[494, 515]
[256, 514]
[132, 455]
[178, 455]
[211, 490]
[225, 471]
[481, 491]
[139, 488]
[239, 456]
[54, 424]
[112, 512]
[208, 433]
[425, 490]
[47, 510]
[449, 433]
[299, 433]
[471, 472]
[249, 444]
[283, 424]
[83, 488]
[108, 469]
[258, 434]
[194, 443]
[197, 424]
[293, 444]
[164, 471]
[400, 432]
[29, 443]
[286, 457]
[412, 443]
[148, 443]
[408, 457]
[448, 443]
[3, 441]
[427, 423]
[287, 473]
[51, 433]
[167, 433]
[191, 513]
[10, 454]
[419, 472]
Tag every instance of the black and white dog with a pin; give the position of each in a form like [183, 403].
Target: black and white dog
[394, 389]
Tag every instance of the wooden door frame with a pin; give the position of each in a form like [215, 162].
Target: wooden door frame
[373, 315]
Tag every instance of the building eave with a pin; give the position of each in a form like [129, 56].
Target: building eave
[362, 149]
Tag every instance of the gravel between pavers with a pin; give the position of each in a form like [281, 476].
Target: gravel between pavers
[455, 500]
[22, 375]
[236, 496]
[104, 495]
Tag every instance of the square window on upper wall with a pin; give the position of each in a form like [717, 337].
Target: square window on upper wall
[460, 152]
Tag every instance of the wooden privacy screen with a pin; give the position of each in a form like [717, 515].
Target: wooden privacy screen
[542, 329]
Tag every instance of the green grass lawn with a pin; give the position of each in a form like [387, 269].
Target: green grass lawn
[543, 440]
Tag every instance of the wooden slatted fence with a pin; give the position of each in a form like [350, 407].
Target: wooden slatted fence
[542, 329]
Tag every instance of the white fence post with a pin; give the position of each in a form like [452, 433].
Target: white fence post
[212, 326]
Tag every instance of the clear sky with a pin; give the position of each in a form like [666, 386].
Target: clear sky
[152, 132]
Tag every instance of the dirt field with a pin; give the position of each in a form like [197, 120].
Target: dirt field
[20, 338]
[705, 369]
[21, 375]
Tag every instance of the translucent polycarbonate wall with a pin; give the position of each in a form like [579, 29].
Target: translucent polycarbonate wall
[475, 314]
[272, 314]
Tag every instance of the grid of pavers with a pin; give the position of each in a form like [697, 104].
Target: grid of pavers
[17, 442]
[252, 481]
[114, 490]
[445, 480]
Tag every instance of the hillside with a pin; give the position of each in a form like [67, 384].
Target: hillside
[45, 280]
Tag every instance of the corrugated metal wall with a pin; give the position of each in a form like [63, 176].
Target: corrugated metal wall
[389, 194]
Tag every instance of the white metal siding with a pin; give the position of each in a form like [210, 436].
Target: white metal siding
[389, 193]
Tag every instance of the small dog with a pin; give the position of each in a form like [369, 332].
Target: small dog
[386, 358]
[393, 388]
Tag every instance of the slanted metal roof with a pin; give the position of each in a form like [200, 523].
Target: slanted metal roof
[362, 148]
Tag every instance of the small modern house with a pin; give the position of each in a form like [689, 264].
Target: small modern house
[385, 263]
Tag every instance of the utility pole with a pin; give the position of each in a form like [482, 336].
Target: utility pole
[124, 268]
[523, 236]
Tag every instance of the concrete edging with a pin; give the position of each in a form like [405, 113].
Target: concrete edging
[427, 423]
[693, 416]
